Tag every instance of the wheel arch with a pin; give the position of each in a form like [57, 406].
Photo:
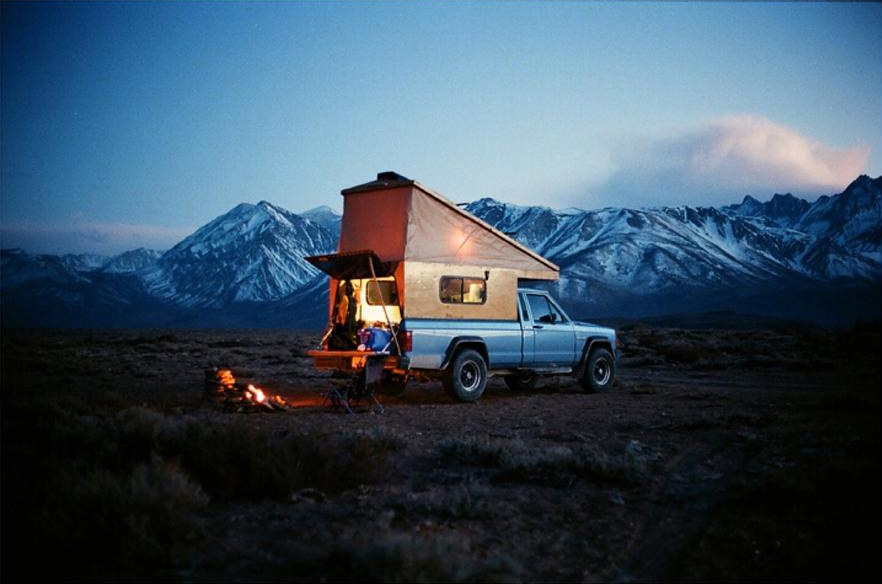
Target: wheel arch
[591, 344]
[465, 342]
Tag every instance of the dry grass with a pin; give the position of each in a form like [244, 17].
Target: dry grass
[404, 557]
[124, 491]
[517, 461]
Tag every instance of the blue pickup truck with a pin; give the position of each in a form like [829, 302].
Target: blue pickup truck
[543, 341]
[464, 354]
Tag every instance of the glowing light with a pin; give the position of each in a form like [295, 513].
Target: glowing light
[460, 241]
[258, 394]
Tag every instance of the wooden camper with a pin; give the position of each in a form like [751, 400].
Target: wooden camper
[411, 232]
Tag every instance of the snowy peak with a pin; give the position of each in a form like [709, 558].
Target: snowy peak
[786, 207]
[252, 253]
[83, 262]
[783, 210]
[131, 261]
[321, 213]
[852, 217]
[326, 217]
[749, 206]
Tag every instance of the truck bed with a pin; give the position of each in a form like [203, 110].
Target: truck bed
[431, 338]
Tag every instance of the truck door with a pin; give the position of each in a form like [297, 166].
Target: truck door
[554, 338]
[526, 331]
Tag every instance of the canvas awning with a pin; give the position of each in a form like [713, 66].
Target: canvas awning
[348, 265]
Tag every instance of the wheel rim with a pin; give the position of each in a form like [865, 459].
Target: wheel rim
[470, 376]
[601, 372]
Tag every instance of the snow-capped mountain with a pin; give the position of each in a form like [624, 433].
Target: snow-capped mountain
[676, 248]
[326, 217]
[253, 253]
[783, 210]
[83, 262]
[131, 261]
[851, 219]
[18, 267]
[819, 261]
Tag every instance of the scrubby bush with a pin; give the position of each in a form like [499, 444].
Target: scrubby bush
[463, 502]
[400, 557]
[518, 461]
[121, 494]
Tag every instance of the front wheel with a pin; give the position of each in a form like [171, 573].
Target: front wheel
[600, 372]
[467, 376]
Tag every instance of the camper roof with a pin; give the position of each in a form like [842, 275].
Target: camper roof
[391, 180]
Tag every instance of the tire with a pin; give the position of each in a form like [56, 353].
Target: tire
[521, 381]
[600, 372]
[467, 376]
[392, 385]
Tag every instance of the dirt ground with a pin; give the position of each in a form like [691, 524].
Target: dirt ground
[720, 455]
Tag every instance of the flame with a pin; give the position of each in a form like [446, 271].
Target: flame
[225, 377]
[258, 394]
[240, 396]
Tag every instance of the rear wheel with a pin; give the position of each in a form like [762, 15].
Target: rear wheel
[600, 372]
[467, 376]
[521, 381]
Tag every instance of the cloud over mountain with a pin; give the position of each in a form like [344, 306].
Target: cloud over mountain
[726, 156]
[81, 235]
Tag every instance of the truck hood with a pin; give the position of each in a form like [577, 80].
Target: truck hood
[594, 329]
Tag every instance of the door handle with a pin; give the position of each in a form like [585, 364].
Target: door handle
[537, 326]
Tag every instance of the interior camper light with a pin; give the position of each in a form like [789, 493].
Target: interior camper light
[461, 242]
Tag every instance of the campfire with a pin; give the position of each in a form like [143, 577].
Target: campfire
[221, 385]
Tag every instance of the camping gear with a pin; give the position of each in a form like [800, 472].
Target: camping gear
[374, 339]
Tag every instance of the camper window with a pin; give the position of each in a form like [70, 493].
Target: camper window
[387, 293]
[461, 290]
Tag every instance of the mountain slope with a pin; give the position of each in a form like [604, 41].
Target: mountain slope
[672, 247]
[131, 261]
[326, 217]
[253, 253]
[18, 268]
[84, 262]
[675, 258]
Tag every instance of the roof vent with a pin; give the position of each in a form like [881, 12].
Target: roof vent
[391, 177]
[385, 180]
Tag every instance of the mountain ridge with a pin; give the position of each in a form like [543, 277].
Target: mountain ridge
[246, 266]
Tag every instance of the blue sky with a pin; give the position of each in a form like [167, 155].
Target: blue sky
[131, 124]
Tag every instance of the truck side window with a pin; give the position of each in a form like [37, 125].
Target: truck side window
[544, 311]
[462, 290]
[539, 308]
[558, 315]
[523, 308]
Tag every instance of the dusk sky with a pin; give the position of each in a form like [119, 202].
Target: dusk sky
[131, 124]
